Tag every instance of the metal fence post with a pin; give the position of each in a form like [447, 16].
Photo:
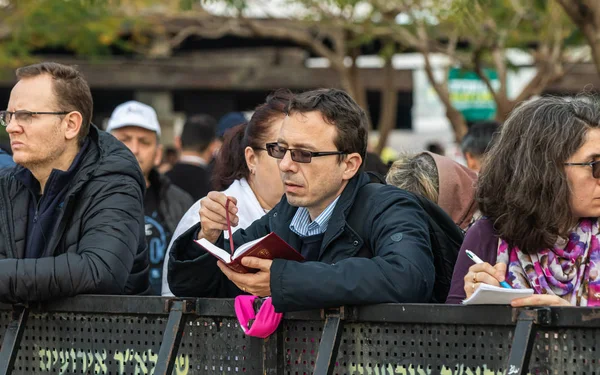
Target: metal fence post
[12, 339]
[273, 355]
[330, 342]
[520, 352]
[172, 335]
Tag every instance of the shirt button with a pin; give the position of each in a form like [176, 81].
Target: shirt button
[275, 214]
[355, 243]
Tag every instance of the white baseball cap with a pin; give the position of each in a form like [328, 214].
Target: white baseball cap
[134, 113]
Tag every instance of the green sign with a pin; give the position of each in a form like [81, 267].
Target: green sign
[471, 96]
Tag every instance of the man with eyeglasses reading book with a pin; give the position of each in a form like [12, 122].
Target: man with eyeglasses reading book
[320, 152]
[71, 212]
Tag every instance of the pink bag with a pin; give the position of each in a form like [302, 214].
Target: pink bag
[256, 319]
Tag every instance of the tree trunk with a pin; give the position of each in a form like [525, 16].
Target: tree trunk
[504, 107]
[457, 120]
[389, 106]
[458, 123]
[359, 88]
[587, 17]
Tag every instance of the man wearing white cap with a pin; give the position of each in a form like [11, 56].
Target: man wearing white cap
[136, 125]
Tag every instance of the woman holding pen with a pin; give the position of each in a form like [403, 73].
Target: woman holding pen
[539, 193]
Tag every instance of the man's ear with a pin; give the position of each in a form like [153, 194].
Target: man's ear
[473, 162]
[353, 162]
[159, 155]
[177, 143]
[72, 121]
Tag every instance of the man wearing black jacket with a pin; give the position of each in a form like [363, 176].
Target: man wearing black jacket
[136, 125]
[321, 146]
[71, 215]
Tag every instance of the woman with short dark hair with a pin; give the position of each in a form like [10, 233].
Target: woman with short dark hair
[244, 169]
[539, 193]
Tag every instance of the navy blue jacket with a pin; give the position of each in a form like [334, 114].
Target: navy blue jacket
[394, 264]
[97, 244]
[5, 159]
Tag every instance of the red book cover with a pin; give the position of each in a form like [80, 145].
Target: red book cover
[270, 246]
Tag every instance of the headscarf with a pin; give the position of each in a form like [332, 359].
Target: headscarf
[456, 190]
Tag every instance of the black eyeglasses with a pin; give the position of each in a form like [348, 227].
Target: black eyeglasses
[23, 117]
[298, 155]
[594, 164]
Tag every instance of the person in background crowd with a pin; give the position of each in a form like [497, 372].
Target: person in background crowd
[72, 219]
[477, 141]
[435, 148]
[244, 170]
[5, 159]
[136, 125]
[441, 180]
[373, 163]
[539, 192]
[320, 149]
[229, 121]
[198, 144]
[170, 158]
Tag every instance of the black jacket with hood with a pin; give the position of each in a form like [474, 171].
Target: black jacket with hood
[97, 245]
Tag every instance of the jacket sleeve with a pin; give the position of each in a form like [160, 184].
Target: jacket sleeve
[480, 239]
[401, 270]
[104, 256]
[193, 272]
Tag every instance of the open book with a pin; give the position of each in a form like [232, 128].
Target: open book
[270, 246]
[487, 294]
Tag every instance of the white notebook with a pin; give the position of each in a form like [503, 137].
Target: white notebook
[487, 294]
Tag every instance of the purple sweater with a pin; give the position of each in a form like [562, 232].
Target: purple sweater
[483, 241]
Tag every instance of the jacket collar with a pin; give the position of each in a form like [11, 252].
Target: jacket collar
[57, 180]
[337, 222]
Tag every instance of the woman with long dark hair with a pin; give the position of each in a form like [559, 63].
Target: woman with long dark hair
[539, 193]
[244, 170]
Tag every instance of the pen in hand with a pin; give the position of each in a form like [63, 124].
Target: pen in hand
[478, 260]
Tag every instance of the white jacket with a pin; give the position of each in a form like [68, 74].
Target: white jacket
[249, 210]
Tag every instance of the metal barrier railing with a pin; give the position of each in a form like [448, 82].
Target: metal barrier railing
[154, 335]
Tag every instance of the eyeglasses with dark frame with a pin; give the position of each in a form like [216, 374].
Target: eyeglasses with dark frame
[23, 117]
[594, 164]
[298, 155]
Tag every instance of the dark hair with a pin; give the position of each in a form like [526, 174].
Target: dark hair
[230, 164]
[479, 138]
[523, 186]
[338, 109]
[436, 148]
[198, 132]
[70, 88]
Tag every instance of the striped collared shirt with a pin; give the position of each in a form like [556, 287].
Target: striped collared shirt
[302, 226]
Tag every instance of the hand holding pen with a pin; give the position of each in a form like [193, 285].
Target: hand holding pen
[482, 272]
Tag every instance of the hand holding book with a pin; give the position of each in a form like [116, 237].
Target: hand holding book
[270, 246]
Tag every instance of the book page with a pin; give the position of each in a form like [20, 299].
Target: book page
[217, 251]
[242, 249]
[487, 294]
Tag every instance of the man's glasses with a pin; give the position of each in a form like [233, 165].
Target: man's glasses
[23, 117]
[298, 155]
[595, 167]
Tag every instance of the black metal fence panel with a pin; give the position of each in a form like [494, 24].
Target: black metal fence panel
[218, 346]
[64, 343]
[121, 335]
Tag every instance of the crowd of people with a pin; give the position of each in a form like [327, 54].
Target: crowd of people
[87, 211]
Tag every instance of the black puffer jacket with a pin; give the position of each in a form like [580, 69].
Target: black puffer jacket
[98, 243]
[173, 201]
